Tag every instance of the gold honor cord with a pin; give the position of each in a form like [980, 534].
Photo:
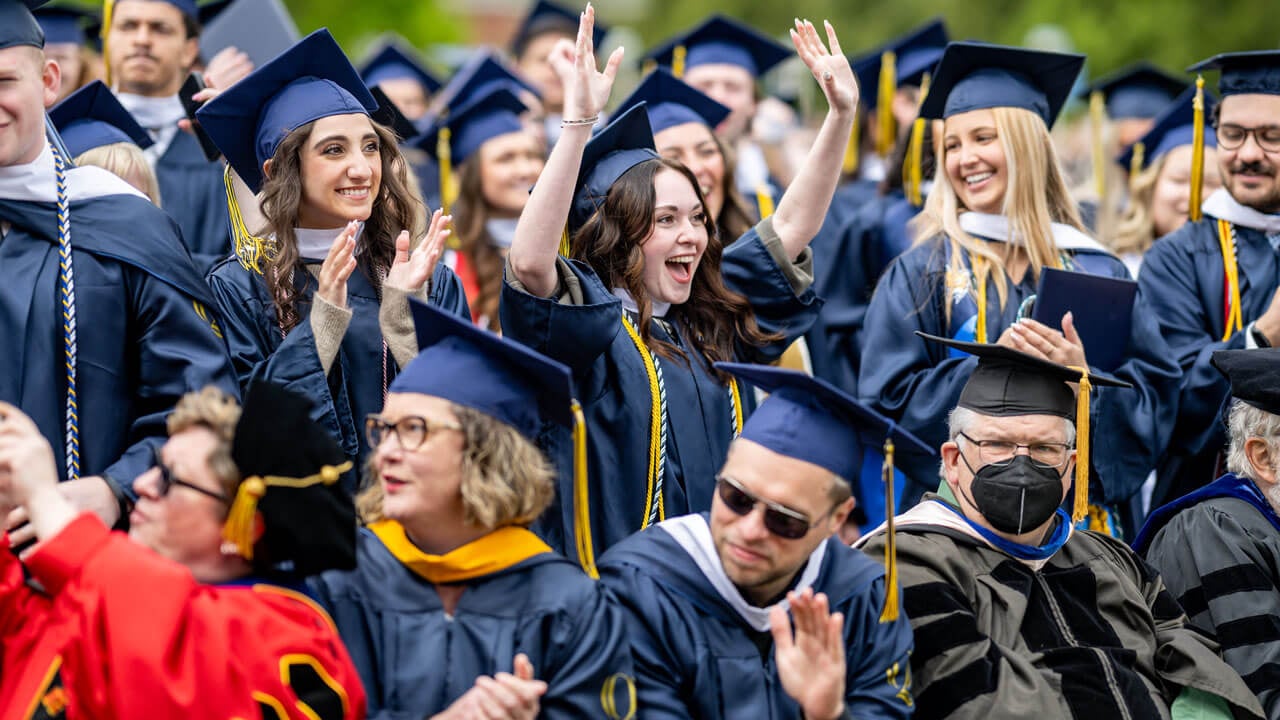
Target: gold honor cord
[890, 611]
[655, 421]
[888, 133]
[581, 496]
[250, 249]
[980, 325]
[1197, 151]
[1097, 116]
[1080, 506]
[1231, 274]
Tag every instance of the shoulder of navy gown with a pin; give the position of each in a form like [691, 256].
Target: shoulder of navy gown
[751, 271]
[193, 192]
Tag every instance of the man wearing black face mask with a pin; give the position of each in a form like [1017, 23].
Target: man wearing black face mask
[1018, 614]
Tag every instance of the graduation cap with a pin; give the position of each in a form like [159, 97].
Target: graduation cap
[65, 25]
[480, 73]
[1140, 90]
[92, 117]
[310, 81]
[911, 56]
[18, 26]
[624, 143]
[721, 40]
[977, 76]
[546, 17]
[671, 102]
[1009, 383]
[290, 468]
[1253, 375]
[1254, 73]
[809, 419]
[389, 115]
[497, 112]
[395, 63]
[1174, 127]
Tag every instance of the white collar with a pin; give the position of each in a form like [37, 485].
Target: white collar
[1221, 205]
[314, 244]
[996, 227]
[694, 535]
[502, 231]
[933, 513]
[36, 181]
[660, 309]
[153, 113]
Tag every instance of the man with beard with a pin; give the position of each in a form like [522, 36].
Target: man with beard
[150, 47]
[1213, 283]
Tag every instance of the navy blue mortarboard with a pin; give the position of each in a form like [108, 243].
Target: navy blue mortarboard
[809, 419]
[389, 115]
[92, 117]
[475, 368]
[1253, 375]
[721, 40]
[624, 143]
[546, 17]
[311, 80]
[1245, 73]
[671, 102]
[497, 112]
[915, 54]
[18, 26]
[481, 73]
[395, 63]
[1140, 90]
[65, 25]
[978, 76]
[1173, 128]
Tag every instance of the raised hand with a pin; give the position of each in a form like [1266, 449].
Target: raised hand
[586, 89]
[830, 68]
[338, 266]
[811, 663]
[411, 271]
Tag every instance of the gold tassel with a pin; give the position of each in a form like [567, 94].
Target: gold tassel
[677, 60]
[850, 164]
[250, 249]
[1197, 151]
[912, 172]
[1080, 506]
[1137, 163]
[564, 242]
[238, 532]
[648, 66]
[888, 86]
[444, 155]
[980, 326]
[1097, 114]
[890, 611]
[1231, 268]
[764, 199]
[108, 10]
[581, 495]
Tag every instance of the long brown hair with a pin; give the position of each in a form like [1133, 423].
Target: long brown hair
[470, 212]
[610, 242]
[396, 208]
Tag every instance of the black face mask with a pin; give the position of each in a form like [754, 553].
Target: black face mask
[1017, 497]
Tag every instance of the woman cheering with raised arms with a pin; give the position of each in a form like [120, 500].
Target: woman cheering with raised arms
[651, 295]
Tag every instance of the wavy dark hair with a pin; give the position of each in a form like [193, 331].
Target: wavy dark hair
[470, 212]
[396, 208]
[610, 241]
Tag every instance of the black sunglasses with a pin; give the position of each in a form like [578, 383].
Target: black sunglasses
[778, 519]
[168, 480]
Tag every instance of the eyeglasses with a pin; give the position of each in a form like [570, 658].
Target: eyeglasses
[411, 431]
[1002, 452]
[168, 480]
[778, 519]
[1233, 137]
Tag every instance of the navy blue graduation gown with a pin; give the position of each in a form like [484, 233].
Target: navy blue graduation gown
[1182, 279]
[613, 387]
[147, 330]
[356, 384]
[414, 660]
[918, 383]
[696, 658]
[193, 191]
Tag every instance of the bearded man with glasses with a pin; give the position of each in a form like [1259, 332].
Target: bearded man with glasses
[707, 596]
[1212, 284]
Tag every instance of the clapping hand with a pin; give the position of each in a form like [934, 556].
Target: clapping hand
[411, 271]
[338, 266]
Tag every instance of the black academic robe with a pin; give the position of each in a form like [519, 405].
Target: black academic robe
[193, 192]
[1183, 281]
[147, 328]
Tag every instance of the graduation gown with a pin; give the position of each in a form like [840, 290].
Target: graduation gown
[1218, 550]
[147, 332]
[123, 633]
[918, 383]
[416, 660]
[695, 657]
[193, 192]
[1183, 282]
[585, 332]
[1090, 632]
[356, 384]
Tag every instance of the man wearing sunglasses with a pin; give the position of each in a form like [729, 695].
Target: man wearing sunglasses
[707, 596]
[1212, 283]
[1017, 613]
[200, 612]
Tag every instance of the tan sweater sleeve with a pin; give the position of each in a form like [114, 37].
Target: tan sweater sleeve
[799, 272]
[396, 323]
[329, 325]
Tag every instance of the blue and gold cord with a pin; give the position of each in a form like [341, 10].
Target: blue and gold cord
[67, 295]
